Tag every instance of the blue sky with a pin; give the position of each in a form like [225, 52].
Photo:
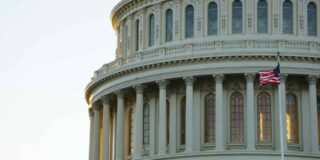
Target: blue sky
[49, 50]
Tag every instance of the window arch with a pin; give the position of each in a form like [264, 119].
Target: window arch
[237, 16]
[131, 124]
[262, 26]
[189, 21]
[146, 127]
[236, 117]
[137, 35]
[169, 25]
[292, 119]
[183, 121]
[212, 18]
[151, 29]
[210, 117]
[287, 17]
[312, 19]
[264, 117]
[168, 121]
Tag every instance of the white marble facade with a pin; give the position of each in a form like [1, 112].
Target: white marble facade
[184, 84]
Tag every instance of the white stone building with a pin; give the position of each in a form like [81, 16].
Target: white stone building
[184, 84]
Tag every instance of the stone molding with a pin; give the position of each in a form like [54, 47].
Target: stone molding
[162, 84]
[139, 88]
[189, 80]
[312, 79]
[219, 78]
[250, 77]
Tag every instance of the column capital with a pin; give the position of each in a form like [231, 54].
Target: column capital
[105, 100]
[189, 80]
[283, 77]
[139, 88]
[91, 113]
[96, 106]
[163, 84]
[312, 79]
[119, 93]
[250, 77]
[218, 78]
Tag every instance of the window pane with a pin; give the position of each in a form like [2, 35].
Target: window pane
[264, 117]
[151, 30]
[312, 19]
[169, 25]
[189, 21]
[146, 127]
[236, 117]
[168, 122]
[262, 16]
[212, 18]
[137, 35]
[292, 120]
[183, 121]
[287, 17]
[237, 17]
[210, 110]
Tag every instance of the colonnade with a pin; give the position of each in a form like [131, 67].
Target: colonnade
[220, 145]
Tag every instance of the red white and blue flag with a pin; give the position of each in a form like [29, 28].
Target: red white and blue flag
[270, 76]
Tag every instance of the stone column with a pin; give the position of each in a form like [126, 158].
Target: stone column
[220, 137]
[120, 126]
[91, 115]
[162, 116]
[138, 136]
[173, 122]
[96, 132]
[153, 137]
[189, 113]
[283, 110]
[105, 131]
[251, 136]
[313, 113]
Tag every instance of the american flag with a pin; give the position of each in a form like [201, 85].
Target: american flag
[270, 76]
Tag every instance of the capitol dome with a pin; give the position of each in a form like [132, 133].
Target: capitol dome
[185, 84]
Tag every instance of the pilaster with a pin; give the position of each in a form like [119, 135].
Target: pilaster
[220, 137]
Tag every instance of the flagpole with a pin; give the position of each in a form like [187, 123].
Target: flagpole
[280, 117]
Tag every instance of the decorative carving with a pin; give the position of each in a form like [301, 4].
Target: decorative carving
[276, 20]
[91, 113]
[163, 84]
[283, 77]
[189, 80]
[219, 78]
[250, 77]
[139, 88]
[105, 100]
[119, 93]
[312, 79]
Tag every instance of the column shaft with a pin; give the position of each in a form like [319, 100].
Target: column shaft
[189, 114]
[152, 125]
[91, 114]
[313, 113]
[250, 112]
[120, 127]
[173, 123]
[105, 131]
[219, 113]
[282, 111]
[162, 117]
[138, 122]
[96, 133]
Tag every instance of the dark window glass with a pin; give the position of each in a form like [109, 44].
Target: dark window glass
[168, 122]
[169, 25]
[212, 19]
[264, 117]
[189, 21]
[292, 120]
[183, 121]
[237, 17]
[210, 117]
[312, 19]
[151, 30]
[287, 17]
[137, 35]
[262, 16]
[236, 117]
[146, 127]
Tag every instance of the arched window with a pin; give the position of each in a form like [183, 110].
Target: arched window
[264, 117]
[183, 121]
[189, 21]
[137, 35]
[237, 17]
[212, 19]
[169, 25]
[151, 29]
[168, 122]
[131, 121]
[146, 127]
[236, 117]
[292, 120]
[210, 118]
[318, 102]
[312, 19]
[287, 17]
[262, 16]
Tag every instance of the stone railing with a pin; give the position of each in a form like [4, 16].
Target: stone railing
[211, 49]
